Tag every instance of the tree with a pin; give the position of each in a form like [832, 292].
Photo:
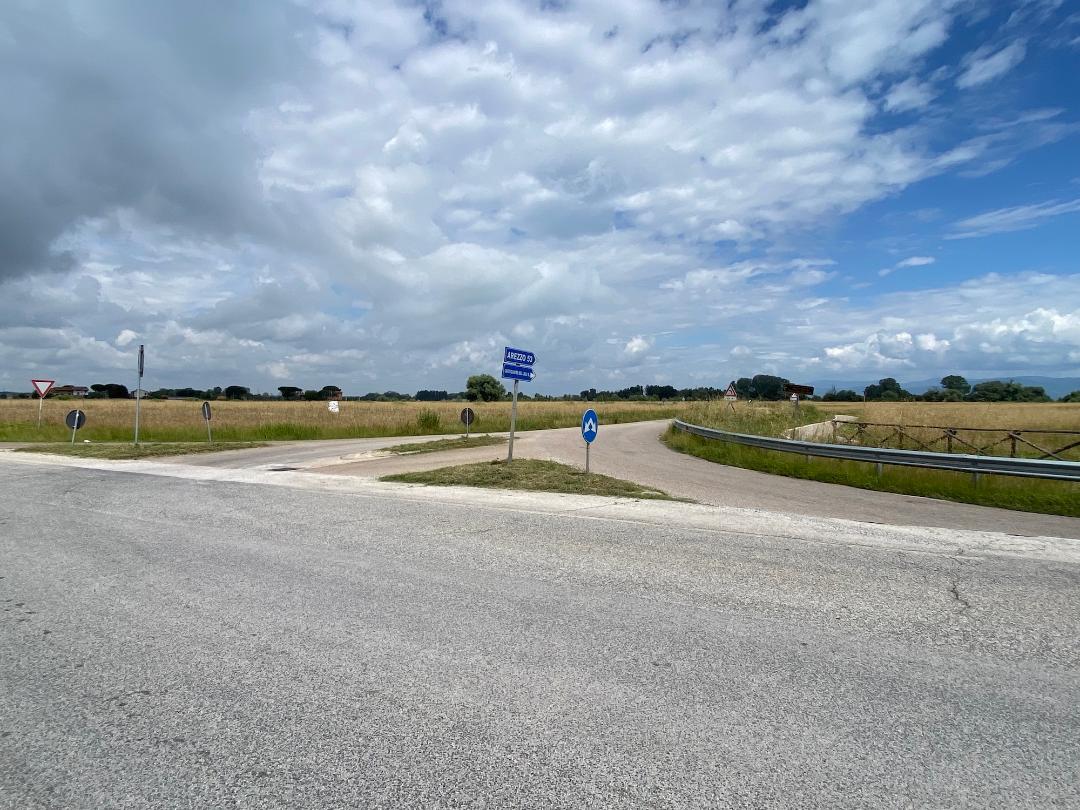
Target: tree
[744, 387]
[843, 395]
[769, 387]
[484, 387]
[290, 391]
[1071, 397]
[661, 391]
[112, 390]
[886, 385]
[431, 396]
[954, 382]
[236, 392]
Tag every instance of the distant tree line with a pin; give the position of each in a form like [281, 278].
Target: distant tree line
[486, 388]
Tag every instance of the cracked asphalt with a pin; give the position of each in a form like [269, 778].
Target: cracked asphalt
[183, 636]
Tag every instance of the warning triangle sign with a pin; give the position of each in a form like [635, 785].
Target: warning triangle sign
[42, 386]
[730, 393]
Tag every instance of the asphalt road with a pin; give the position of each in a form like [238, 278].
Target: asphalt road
[633, 452]
[182, 636]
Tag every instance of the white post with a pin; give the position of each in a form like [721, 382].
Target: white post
[138, 395]
[513, 424]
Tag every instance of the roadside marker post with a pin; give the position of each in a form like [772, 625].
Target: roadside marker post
[138, 392]
[590, 426]
[795, 403]
[42, 387]
[517, 366]
[467, 417]
[206, 417]
[75, 420]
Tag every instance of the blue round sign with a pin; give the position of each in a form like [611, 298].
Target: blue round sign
[589, 426]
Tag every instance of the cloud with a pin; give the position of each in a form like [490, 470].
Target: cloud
[914, 261]
[382, 194]
[1017, 218]
[910, 94]
[96, 120]
[983, 64]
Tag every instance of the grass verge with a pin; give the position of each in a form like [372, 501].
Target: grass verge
[444, 444]
[530, 474]
[1025, 495]
[144, 450]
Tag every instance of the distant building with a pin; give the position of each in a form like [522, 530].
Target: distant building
[69, 391]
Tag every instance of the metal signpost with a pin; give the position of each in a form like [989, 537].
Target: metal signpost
[590, 424]
[467, 417]
[517, 366]
[75, 420]
[42, 387]
[138, 392]
[206, 417]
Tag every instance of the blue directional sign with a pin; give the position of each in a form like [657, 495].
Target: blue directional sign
[512, 372]
[589, 426]
[518, 357]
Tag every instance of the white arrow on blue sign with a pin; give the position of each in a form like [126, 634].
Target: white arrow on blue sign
[512, 372]
[518, 357]
[589, 426]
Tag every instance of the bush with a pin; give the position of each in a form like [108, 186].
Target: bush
[428, 421]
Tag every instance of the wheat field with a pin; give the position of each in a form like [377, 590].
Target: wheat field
[171, 420]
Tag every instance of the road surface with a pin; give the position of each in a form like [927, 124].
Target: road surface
[634, 452]
[177, 635]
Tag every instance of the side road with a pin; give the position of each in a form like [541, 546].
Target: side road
[634, 452]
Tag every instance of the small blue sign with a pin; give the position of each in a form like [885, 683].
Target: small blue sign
[589, 426]
[512, 372]
[518, 357]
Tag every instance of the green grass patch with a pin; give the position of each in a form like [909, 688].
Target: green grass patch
[444, 444]
[1023, 494]
[144, 450]
[530, 474]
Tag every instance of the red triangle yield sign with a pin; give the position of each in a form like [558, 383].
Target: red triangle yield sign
[42, 386]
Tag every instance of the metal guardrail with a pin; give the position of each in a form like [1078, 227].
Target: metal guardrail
[957, 462]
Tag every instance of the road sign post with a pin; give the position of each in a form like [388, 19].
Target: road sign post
[467, 417]
[513, 424]
[731, 395]
[138, 392]
[206, 417]
[590, 426]
[42, 387]
[517, 366]
[75, 420]
[795, 403]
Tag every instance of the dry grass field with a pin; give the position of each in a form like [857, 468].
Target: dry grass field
[178, 421]
[1010, 415]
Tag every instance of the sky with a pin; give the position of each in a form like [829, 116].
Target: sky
[381, 195]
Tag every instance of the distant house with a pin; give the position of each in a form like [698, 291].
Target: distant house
[69, 391]
[334, 393]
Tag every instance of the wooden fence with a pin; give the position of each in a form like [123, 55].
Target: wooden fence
[1034, 443]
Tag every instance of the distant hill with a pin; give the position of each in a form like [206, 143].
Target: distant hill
[1056, 387]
